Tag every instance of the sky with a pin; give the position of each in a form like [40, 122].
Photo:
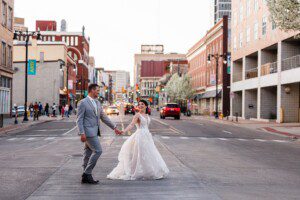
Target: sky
[118, 28]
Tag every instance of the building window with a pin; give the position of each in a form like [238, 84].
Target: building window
[10, 18]
[255, 5]
[241, 39]
[3, 54]
[53, 38]
[67, 41]
[264, 25]
[76, 41]
[248, 8]
[9, 49]
[4, 13]
[241, 13]
[273, 25]
[255, 31]
[72, 41]
[248, 35]
[63, 38]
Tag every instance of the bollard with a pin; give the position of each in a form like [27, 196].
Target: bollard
[236, 117]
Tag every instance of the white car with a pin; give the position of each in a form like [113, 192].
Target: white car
[112, 110]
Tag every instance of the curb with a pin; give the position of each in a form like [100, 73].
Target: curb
[269, 129]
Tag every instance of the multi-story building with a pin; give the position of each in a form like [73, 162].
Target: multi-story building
[203, 73]
[265, 81]
[92, 70]
[120, 83]
[78, 48]
[222, 8]
[6, 53]
[152, 53]
[50, 83]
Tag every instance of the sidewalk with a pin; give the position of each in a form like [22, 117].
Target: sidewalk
[283, 129]
[9, 123]
[65, 182]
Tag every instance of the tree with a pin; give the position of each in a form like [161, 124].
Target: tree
[285, 14]
[179, 88]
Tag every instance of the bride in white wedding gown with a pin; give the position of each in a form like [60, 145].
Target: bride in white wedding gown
[139, 157]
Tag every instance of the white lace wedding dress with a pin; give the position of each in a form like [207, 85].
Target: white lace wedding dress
[139, 157]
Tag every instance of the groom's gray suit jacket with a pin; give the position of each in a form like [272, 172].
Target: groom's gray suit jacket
[88, 121]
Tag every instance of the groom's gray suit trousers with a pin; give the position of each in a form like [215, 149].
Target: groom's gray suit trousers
[92, 152]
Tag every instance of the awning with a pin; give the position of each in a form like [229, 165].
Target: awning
[210, 94]
[197, 96]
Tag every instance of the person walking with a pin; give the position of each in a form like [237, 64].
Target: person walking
[54, 110]
[70, 109]
[31, 110]
[67, 110]
[40, 108]
[62, 111]
[59, 108]
[47, 109]
[36, 111]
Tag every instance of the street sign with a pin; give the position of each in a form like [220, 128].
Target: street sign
[31, 67]
[229, 63]
[213, 79]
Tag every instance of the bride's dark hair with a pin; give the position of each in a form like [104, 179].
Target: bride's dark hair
[146, 104]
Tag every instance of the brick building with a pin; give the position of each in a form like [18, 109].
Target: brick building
[78, 48]
[6, 48]
[203, 74]
[265, 66]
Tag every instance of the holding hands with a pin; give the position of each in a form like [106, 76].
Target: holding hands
[118, 132]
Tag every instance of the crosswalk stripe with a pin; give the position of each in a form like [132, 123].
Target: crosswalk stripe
[241, 139]
[185, 138]
[29, 139]
[260, 140]
[125, 137]
[280, 141]
[222, 139]
[50, 138]
[11, 139]
[165, 137]
[203, 138]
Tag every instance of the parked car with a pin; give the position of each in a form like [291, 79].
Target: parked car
[129, 109]
[21, 111]
[112, 110]
[170, 110]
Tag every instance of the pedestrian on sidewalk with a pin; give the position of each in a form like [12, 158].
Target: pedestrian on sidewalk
[66, 110]
[47, 109]
[62, 111]
[59, 108]
[31, 109]
[70, 109]
[54, 110]
[40, 108]
[36, 111]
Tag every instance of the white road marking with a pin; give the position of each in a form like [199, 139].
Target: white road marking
[203, 138]
[241, 139]
[160, 122]
[260, 140]
[165, 137]
[11, 139]
[50, 138]
[184, 138]
[49, 130]
[222, 139]
[227, 132]
[280, 141]
[30, 139]
[66, 133]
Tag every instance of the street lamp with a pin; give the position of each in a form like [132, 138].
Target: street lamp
[216, 57]
[26, 34]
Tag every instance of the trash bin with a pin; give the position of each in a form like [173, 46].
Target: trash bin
[1, 120]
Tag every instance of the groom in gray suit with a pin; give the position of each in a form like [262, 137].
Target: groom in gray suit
[88, 121]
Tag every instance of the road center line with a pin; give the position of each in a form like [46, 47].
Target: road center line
[226, 132]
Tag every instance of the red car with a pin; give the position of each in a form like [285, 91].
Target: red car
[170, 110]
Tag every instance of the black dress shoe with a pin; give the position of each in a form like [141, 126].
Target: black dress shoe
[88, 178]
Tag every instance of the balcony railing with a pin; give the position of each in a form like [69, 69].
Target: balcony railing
[268, 68]
[290, 63]
[251, 73]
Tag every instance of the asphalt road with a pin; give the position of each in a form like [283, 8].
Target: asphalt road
[207, 160]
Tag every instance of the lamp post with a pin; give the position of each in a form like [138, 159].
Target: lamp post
[216, 57]
[26, 34]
